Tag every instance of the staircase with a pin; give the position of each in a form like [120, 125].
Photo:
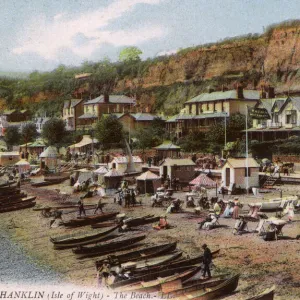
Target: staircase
[269, 181]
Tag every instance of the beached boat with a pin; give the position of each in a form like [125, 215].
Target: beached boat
[151, 282]
[141, 221]
[176, 264]
[17, 201]
[150, 262]
[138, 254]
[175, 288]
[88, 220]
[46, 183]
[103, 224]
[8, 189]
[99, 249]
[68, 241]
[11, 198]
[17, 206]
[268, 294]
[222, 289]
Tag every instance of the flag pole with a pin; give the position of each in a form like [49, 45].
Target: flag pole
[247, 153]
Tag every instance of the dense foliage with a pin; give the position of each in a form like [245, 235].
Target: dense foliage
[12, 136]
[109, 132]
[28, 133]
[54, 132]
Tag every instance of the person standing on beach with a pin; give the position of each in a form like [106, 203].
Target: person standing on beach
[99, 206]
[207, 258]
[81, 207]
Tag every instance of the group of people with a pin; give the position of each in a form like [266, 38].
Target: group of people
[228, 209]
[128, 196]
[81, 207]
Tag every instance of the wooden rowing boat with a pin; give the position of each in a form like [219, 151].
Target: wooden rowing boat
[151, 282]
[222, 289]
[17, 206]
[268, 294]
[141, 221]
[176, 264]
[101, 248]
[10, 198]
[69, 241]
[138, 254]
[88, 220]
[150, 262]
[46, 183]
[174, 288]
[6, 184]
[17, 201]
[103, 224]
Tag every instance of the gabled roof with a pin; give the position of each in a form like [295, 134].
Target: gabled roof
[226, 95]
[241, 163]
[295, 101]
[124, 159]
[49, 152]
[75, 102]
[278, 103]
[113, 173]
[178, 162]
[121, 99]
[101, 170]
[266, 104]
[203, 180]
[167, 145]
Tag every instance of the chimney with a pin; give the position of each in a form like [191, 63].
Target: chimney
[271, 92]
[263, 94]
[239, 91]
[106, 98]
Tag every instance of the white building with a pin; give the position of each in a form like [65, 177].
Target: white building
[120, 163]
[235, 172]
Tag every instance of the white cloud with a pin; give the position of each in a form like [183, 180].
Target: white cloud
[47, 38]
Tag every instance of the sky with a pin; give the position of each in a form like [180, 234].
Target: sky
[42, 34]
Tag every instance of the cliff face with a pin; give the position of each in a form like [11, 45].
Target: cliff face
[273, 58]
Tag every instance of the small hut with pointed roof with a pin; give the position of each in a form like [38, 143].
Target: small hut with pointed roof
[113, 179]
[148, 182]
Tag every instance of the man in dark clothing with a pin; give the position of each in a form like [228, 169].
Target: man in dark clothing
[207, 257]
[99, 206]
[81, 207]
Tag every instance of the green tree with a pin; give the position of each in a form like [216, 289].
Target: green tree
[146, 138]
[28, 133]
[12, 136]
[130, 54]
[54, 132]
[109, 131]
[159, 127]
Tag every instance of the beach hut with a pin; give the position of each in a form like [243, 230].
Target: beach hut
[167, 149]
[9, 158]
[120, 163]
[113, 179]
[49, 158]
[99, 173]
[234, 173]
[23, 166]
[148, 182]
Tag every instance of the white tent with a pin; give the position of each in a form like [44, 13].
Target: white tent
[23, 166]
[100, 174]
[83, 145]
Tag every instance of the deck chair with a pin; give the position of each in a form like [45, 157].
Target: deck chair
[260, 227]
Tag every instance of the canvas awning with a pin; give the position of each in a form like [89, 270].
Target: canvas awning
[203, 180]
[101, 170]
[113, 173]
[86, 140]
[22, 162]
[148, 176]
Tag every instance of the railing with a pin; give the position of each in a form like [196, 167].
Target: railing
[275, 125]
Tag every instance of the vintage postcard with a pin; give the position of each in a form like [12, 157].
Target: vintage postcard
[149, 149]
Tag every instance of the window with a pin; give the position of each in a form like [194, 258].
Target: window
[276, 117]
[291, 117]
[249, 172]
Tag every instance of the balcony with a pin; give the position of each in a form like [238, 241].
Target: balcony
[289, 126]
[261, 126]
[275, 125]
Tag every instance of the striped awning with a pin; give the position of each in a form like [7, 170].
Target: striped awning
[203, 180]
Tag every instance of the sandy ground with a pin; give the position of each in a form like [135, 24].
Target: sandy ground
[260, 263]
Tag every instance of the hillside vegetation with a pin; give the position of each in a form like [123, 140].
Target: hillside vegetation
[165, 83]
